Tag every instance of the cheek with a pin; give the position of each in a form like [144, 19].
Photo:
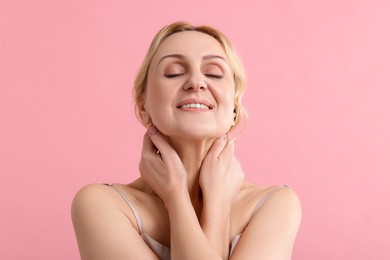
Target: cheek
[230, 104]
[225, 97]
[157, 99]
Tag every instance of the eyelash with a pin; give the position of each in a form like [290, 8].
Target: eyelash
[214, 76]
[173, 75]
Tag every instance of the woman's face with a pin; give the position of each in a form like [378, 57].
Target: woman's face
[190, 90]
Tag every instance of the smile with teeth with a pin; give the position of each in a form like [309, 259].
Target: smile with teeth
[195, 105]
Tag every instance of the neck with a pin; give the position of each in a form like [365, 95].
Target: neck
[192, 153]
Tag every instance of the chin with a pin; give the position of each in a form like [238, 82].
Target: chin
[195, 132]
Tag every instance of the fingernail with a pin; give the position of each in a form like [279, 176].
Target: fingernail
[152, 130]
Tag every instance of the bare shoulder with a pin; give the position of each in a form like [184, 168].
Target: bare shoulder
[284, 199]
[103, 229]
[273, 223]
[93, 196]
[107, 199]
[105, 195]
[88, 196]
[270, 196]
[93, 203]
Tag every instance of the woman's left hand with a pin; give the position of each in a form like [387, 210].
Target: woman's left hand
[221, 175]
[161, 167]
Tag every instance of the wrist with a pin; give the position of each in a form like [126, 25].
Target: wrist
[176, 199]
[217, 203]
[216, 210]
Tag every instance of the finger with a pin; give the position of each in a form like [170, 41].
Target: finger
[232, 144]
[159, 141]
[217, 146]
[229, 148]
[148, 146]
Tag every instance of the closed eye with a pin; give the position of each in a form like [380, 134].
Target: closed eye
[173, 75]
[215, 76]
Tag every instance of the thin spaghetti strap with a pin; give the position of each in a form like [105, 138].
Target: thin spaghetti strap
[135, 212]
[265, 198]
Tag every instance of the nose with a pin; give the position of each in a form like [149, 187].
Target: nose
[195, 83]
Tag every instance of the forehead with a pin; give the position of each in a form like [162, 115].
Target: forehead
[190, 44]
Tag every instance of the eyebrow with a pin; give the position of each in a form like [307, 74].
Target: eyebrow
[180, 56]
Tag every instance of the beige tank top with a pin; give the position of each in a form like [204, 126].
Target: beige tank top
[163, 252]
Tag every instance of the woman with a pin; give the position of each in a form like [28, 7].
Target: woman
[191, 201]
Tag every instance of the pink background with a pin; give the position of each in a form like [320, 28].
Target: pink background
[318, 99]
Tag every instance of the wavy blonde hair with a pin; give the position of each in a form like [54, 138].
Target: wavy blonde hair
[239, 75]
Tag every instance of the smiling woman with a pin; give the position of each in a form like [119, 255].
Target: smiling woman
[191, 201]
[189, 69]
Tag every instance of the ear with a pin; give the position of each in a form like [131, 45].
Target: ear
[234, 116]
[144, 115]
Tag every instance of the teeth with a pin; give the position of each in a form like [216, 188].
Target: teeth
[195, 105]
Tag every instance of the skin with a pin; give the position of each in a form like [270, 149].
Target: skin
[192, 195]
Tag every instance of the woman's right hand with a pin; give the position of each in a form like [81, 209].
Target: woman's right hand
[161, 167]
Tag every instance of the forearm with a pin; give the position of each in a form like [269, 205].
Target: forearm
[188, 240]
[215, 223]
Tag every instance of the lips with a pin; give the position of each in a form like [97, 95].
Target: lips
[195, 104]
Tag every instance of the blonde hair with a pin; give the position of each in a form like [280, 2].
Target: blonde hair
[239, 76]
